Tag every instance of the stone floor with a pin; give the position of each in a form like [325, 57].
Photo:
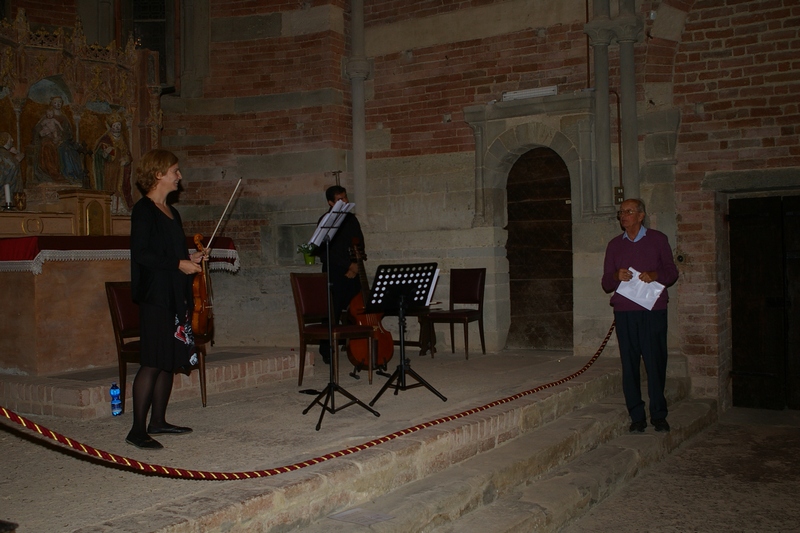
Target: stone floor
[741, 474]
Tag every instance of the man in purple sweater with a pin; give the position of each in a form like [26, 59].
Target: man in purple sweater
[642, 333]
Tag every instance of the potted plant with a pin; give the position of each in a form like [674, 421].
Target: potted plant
[308, 253]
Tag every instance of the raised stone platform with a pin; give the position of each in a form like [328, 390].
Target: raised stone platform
[84, 394]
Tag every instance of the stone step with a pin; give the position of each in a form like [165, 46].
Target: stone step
[566, 493]
[502, 482]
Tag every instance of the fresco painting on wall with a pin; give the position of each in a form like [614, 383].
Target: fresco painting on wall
[67, 111]
[92, 152]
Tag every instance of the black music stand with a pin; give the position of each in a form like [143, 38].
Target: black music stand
[324, 233]
[396, 289]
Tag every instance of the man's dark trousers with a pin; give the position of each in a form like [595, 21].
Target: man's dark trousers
[642, 335]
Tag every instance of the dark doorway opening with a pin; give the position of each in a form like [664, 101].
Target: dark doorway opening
[539, 251]
[765, 301]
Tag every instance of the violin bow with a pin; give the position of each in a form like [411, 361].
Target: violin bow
[208, 246]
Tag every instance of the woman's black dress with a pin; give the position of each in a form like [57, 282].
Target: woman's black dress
[163, 292]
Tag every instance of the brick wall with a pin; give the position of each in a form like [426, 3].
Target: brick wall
[419, 95]
[737, 84]
[271, 66]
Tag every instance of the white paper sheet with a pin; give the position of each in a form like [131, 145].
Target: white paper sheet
[636, 290]
[433, 288]
[330, 222]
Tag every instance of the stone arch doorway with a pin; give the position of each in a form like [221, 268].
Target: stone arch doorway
[539, 252]
[563, 125]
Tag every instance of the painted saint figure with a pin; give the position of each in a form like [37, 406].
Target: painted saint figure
[9, 164]
[48, 138]
[56, 154]
[112, 165]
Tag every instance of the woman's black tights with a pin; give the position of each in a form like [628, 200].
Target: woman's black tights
[151, 389]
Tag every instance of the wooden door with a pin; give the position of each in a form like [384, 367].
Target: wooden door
[791, 240]
[539, 251]
[765, 259]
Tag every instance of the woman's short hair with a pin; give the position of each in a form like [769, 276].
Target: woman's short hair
[152, 163]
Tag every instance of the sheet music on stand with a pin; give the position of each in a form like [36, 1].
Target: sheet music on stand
[396, 290]
[325, 231]
[433, 288]
[411, 286]
[330, 222]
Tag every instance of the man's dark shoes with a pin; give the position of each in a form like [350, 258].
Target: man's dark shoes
[662, 426]
[638, 427]
[169, 429]
[143, 441]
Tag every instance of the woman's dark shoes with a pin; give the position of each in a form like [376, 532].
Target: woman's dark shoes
[143, 441]
[169, 429]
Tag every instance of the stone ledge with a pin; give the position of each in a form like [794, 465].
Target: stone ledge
[88, 399]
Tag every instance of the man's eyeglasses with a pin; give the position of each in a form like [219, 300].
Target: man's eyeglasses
[627, 212]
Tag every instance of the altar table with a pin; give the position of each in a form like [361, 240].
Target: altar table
[56, 316]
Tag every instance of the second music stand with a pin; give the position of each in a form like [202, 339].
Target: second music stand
[325, 231]
[397, 289]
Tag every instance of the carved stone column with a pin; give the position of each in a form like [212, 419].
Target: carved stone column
[600, 36]
[479, 218]
[629, 31]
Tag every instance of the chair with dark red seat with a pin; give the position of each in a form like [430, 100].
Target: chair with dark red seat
[466, 288]
[310, 298]
[125, 319]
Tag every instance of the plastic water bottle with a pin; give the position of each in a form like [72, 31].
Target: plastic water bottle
[116, 403]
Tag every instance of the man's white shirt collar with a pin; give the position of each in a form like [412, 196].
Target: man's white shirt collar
[642, 233]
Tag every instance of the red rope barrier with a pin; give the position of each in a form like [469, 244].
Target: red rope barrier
[158, 470]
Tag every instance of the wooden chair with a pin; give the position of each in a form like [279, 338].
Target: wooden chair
[466, 288]
[310, 299]
[125, 319]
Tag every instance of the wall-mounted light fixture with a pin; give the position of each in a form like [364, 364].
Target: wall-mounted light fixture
[530, 93]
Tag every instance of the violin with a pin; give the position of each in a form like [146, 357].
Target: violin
[203, 312]
[358, 349]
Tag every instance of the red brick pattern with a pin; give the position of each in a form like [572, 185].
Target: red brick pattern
[276, 66]
[737, 84]
[420, 95]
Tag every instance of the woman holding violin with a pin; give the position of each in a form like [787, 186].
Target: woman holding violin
[162, 272]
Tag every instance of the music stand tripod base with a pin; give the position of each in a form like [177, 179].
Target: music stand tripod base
[329, 405]
[396, 289]
[400, 374]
